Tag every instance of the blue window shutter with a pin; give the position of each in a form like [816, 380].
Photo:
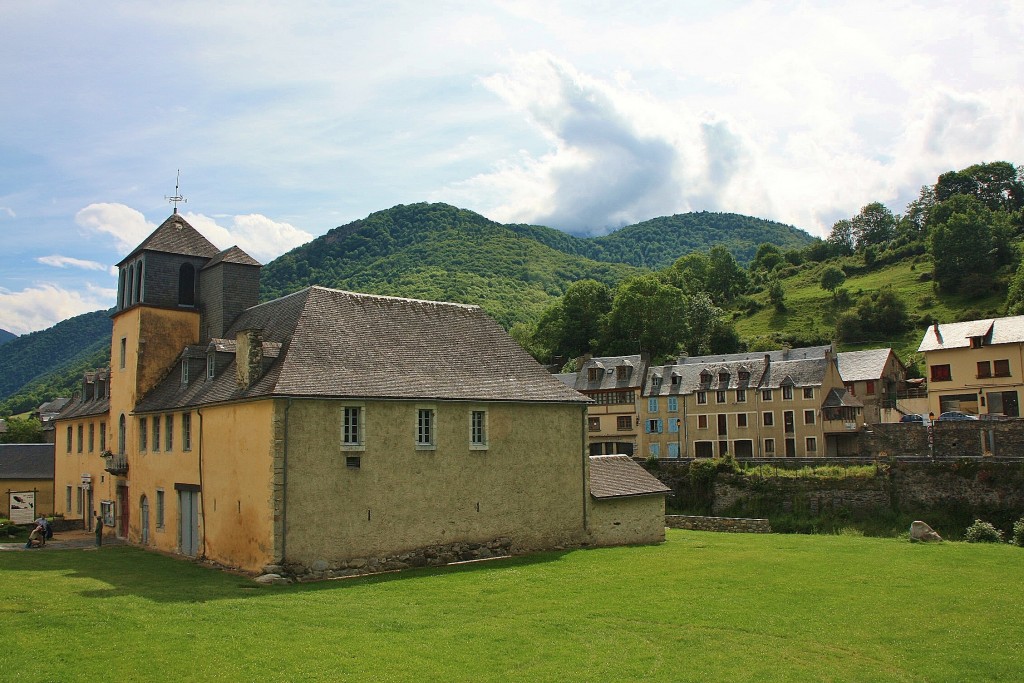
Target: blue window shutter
[647, 426]
[661, 427]
[673, 403]
[652, 405]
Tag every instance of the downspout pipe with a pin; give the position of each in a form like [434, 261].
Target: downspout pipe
[202, 489]
[284, 486]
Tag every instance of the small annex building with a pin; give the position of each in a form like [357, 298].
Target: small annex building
[629, 502]
[26, 468]
[321, 428]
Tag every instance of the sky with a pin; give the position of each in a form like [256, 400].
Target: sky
[288, 119]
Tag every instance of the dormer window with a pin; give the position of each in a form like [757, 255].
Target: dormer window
[621, 372]
[593, 374]
[184, 373]
[705, 377]
[723, 377]
[210, 366]
[656, 382]
[744, 376]
[977, 342]
[676, 380]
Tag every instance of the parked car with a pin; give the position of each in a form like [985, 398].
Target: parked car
[915, 418]
[957, 415]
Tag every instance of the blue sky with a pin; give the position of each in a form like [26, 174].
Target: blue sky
[288, 119]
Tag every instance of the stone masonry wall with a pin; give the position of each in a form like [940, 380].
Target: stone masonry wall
[730, 524]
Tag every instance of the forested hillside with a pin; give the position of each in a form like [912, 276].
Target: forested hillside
[41, 356]
[6, 336]
[693, 283]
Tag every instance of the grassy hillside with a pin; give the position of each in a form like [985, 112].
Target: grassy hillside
[811, 311]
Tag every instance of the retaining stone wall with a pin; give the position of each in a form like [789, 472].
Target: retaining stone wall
[730, 524]
[431, 556]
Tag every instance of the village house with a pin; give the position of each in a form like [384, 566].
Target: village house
[614, 383]
[785, 403]
[875, 376]
[975, 366]
[26, 481]
[325, 427]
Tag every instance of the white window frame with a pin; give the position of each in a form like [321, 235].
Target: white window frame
[769, 446]
[426, 428]
[353, 412]
[186, 431]
[811, 443]
[478, 430]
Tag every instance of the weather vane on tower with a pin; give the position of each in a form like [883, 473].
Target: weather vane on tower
[177, 195]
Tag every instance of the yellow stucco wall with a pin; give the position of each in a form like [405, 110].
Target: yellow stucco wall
[963, 365]
[627, 521]
[528, 485]
[42, 487]
[70, 464]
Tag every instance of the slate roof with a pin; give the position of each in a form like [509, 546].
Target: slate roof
[80, 407]
[958, 335]
[26, 461]
[618, 476]
[322, 342]
[54, 406]
[802, 353]
[840, 398]
[608, 375]
[859, 366]
[686, 378]
[175, 236]
[232, 255]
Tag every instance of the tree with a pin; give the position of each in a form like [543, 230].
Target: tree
[23, 430]
[997, 185]
[777, 295]
[647, 315]
[841, 239]
[767, 257]
[705, 319]
[878, 316]
[967, 238]
[725, 278]
[875, 224]
[832, 278]
[584, 307]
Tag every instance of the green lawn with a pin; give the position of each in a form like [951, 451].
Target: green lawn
[702, 606]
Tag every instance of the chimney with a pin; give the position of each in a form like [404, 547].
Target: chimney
[767, 359]
[248, 356]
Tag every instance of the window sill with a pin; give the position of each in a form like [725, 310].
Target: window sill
[478, 447]
[353, 447]
[426, 447]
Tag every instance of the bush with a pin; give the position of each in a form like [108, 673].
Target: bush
[983, 532]
[1018, 533]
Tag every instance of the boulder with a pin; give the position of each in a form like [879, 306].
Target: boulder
[267, 578]
[919, 531]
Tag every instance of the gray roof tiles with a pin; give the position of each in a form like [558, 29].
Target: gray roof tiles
[618, 476]
[323, 342]
[668, 380]
[859, 366]
[175, 236]
[608, 375]
[26, 461]
[958, 335]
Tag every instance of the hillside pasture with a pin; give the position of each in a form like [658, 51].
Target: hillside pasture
[701, 606]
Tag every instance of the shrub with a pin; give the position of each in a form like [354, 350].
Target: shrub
[1018, 532]
[983, 532]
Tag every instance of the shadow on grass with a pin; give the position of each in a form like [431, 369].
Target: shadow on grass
[128, 571]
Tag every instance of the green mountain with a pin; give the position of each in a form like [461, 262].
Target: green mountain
[32, 363]
[6, 336]
[428, 251]
[437, 251]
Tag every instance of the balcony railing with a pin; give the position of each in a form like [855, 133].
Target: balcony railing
[117, 463]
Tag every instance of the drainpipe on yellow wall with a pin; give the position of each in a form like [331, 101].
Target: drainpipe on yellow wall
[284, 486]
[202, 489]
[585, 462]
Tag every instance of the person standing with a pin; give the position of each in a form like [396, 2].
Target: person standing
[99, 531]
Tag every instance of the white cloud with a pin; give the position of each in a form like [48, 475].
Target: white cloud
[58, 261]
[262, 238]
[126, 225]
[43, 305]
[7, 210]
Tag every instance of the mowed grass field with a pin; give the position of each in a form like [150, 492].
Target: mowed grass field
[702, 606]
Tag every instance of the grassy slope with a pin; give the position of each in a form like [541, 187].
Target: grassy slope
[810, 308]
[702, 606]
